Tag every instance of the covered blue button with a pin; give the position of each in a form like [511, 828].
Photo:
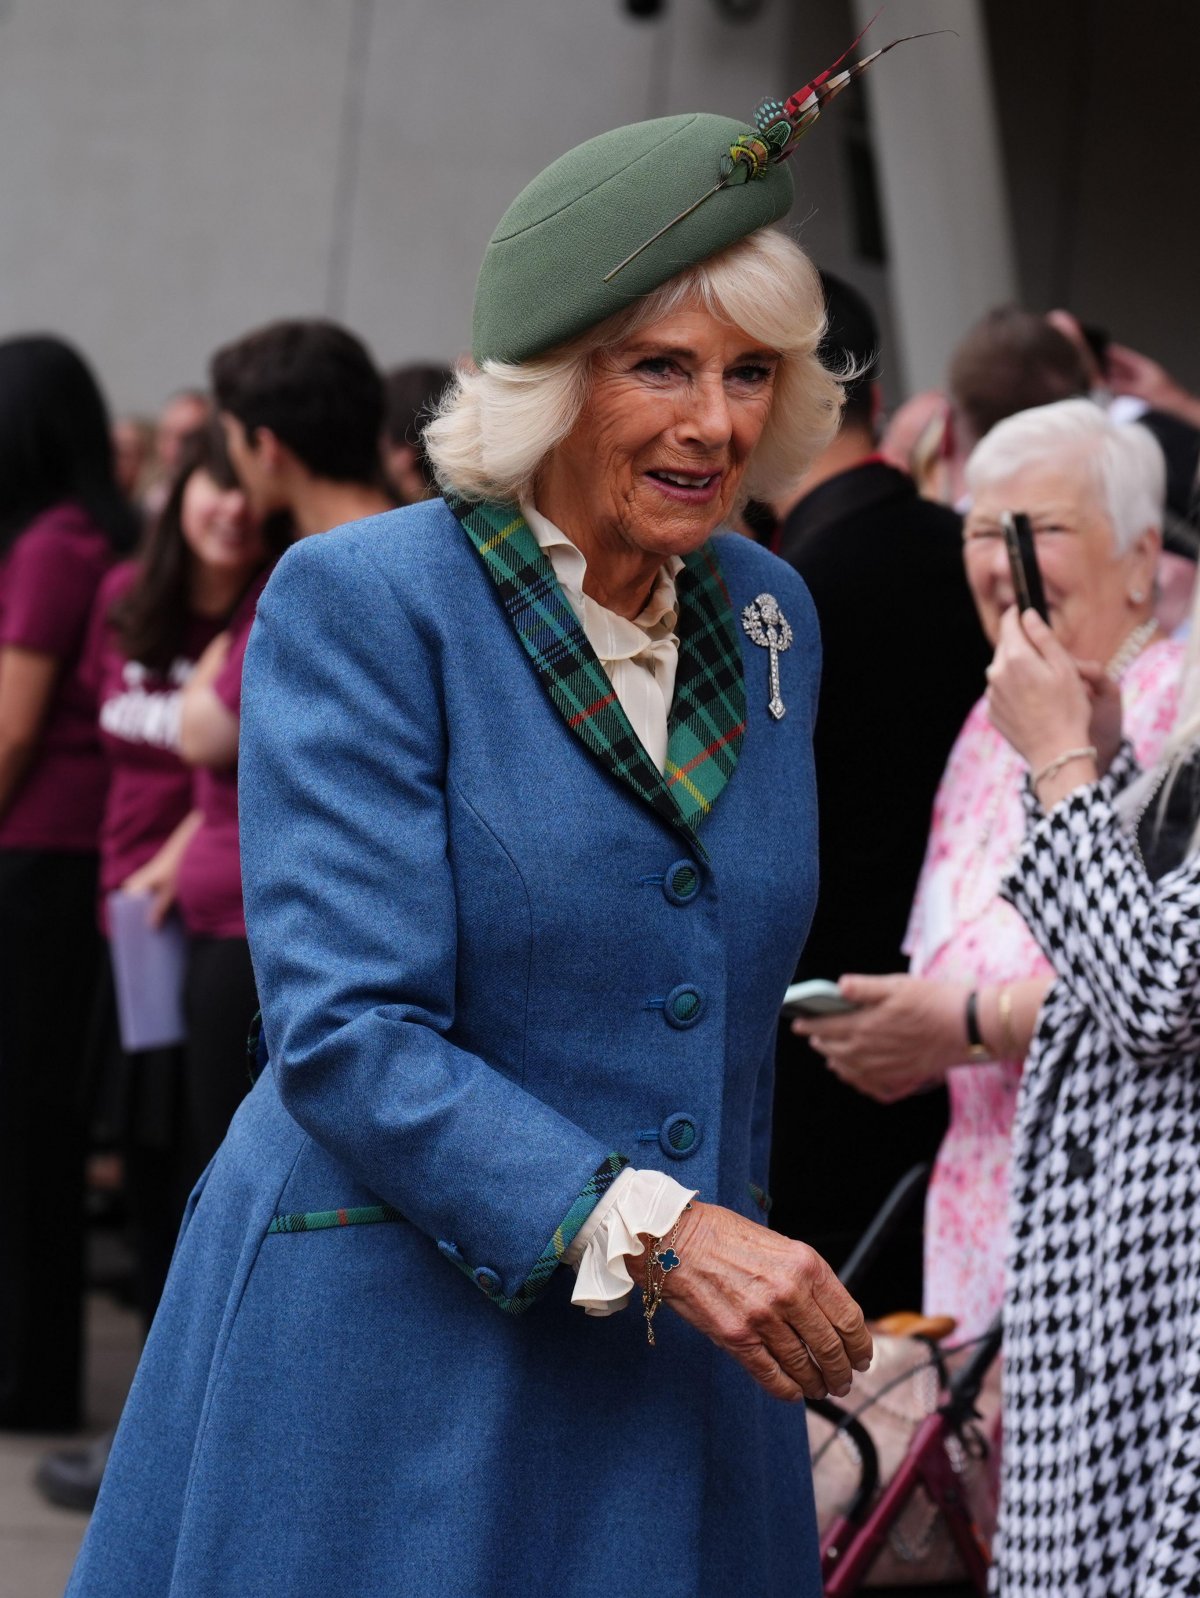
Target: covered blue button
[682, 882]
[488, 1280]
[450, 1251]
[683, 1006]
[679, 1136]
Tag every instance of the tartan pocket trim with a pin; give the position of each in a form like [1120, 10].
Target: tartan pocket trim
[322, 1220]
[707, 721]
[544, 1267]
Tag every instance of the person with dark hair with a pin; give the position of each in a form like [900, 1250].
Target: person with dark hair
[884, 567]
[411, 393]
[152, 622]
[62, 519]
[152, 619]
[302, 404]
[301, 407]
[1011, 360]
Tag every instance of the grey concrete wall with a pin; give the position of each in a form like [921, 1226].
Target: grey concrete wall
[173, 172]
[944, 193]
[1097, 101]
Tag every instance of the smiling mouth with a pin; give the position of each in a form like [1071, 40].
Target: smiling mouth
[686, 479]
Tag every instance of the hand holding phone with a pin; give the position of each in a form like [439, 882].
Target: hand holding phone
[1023, 563]
[815, 998]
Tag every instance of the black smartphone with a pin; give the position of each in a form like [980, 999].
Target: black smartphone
[1022, 558]
[1097, 340]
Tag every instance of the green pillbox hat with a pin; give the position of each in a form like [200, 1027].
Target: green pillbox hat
[542, 278]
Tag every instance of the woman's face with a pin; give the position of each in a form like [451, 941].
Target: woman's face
[218, 527]
[1092, 593]
[656, 459]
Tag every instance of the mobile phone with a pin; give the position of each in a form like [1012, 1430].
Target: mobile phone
[816, 998]
[1097, 340]
[1022, 559]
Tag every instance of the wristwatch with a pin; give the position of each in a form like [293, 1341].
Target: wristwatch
[977, 1049]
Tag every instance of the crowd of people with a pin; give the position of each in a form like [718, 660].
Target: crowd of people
[439, 886]
[128, 590]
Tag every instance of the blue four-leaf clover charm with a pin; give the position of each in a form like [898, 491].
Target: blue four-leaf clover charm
[667, 1260]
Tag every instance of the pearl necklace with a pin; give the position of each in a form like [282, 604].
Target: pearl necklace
[1130, 650]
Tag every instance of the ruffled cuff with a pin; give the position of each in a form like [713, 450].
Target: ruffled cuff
[638, 1202]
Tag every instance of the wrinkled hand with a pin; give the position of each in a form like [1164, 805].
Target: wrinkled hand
[907, 1034]
[772, 1303]
[1037, 697]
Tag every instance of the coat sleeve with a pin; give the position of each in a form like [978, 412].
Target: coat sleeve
[350, 910]
[1127, 948]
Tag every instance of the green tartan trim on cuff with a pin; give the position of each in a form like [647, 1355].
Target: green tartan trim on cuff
[550, 1258]
[761, 1197]
[321, 1220]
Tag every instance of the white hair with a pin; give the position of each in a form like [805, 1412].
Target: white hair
[1123, 462]
[495, 426]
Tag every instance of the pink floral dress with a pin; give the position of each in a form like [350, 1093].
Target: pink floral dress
[961, 931]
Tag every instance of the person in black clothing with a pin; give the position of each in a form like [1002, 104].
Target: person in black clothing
[904, 657]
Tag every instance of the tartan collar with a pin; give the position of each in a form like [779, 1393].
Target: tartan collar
[708, 714]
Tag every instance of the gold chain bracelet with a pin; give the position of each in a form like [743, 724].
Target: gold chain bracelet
[660, 1262]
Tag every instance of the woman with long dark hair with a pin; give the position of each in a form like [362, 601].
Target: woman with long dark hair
[62, 519]
[153, 619]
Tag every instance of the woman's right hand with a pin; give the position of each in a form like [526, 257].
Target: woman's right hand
[159, 877]
[772, 1303]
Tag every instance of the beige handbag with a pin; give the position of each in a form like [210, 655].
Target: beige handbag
[901, 1390]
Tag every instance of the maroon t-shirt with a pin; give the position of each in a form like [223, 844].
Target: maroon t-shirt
[149, 786]
[48, 583]
[210, 873]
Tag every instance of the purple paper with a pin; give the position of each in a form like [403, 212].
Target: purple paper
[148, 964]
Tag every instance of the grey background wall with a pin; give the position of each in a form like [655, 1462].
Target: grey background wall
[173, 172]
[1098, 116]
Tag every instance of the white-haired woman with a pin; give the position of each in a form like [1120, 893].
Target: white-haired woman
[528, 852]
[1101, 1481]
[966, 1012]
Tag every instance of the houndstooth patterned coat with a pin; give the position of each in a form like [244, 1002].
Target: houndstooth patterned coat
[1101, 1478]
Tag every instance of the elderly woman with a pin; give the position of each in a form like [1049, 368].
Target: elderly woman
[527, 811]
[1102, 1312]
[1094, 492]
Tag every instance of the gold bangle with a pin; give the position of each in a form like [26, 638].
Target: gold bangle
[1053, 767]
[1008, 1038]
[659, 1261]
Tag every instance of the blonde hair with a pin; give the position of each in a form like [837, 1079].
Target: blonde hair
[495, 425]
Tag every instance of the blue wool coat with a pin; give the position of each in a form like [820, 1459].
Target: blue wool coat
[489, 969]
